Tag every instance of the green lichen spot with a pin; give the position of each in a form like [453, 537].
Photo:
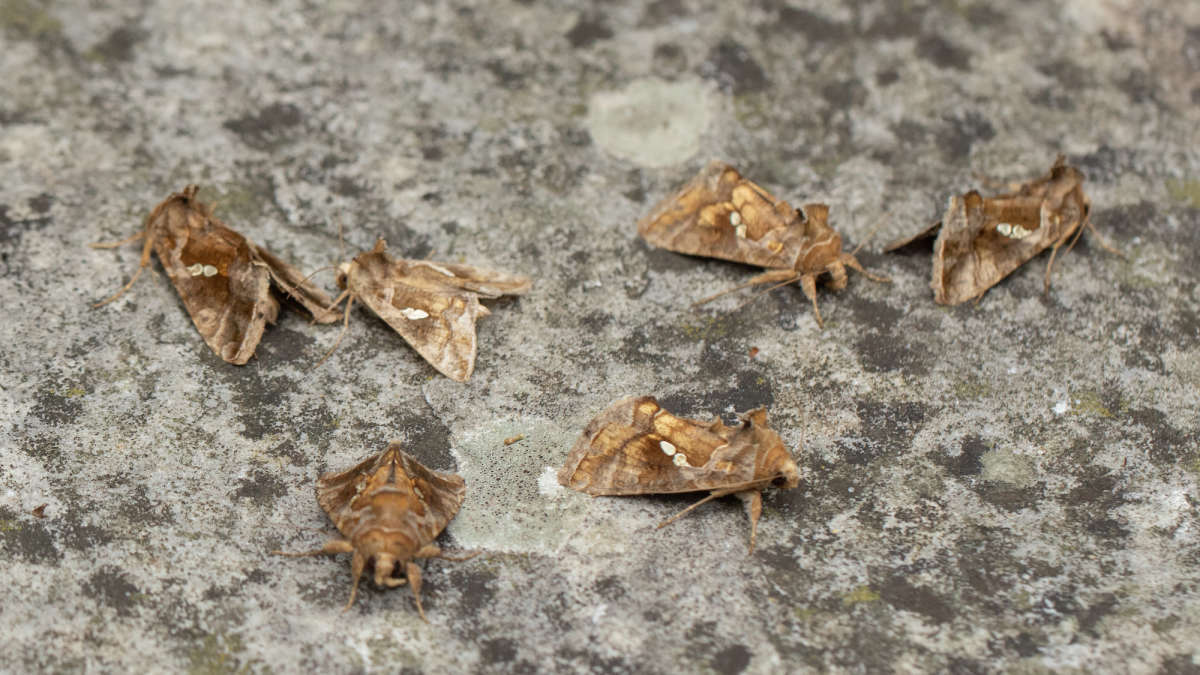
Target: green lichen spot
[9, 526]
[972, 389]
[860, 595]
[74, 392]
[1185, 191]
[28, 20]
[218, 653]
[1088, 403]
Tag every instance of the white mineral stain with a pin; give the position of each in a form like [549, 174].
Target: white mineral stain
[651, 122]
[548, 485]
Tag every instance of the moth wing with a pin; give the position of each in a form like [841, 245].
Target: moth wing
[636, 447]
[441, 492]
[480, 280]
[438, 321]
[719, 214]
[335, 490]
[295, 285]
[212, 267]
[984, 240]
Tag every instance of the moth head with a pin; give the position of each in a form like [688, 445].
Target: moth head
[385, 548]
[385, 564]
[787, 474]
[343, 271]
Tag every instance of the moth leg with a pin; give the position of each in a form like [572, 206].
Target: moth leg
[345, 325]
[753, 501]
[331, 547]
[1050, 265]
[808, 284]
[850, 261]
[414, 581]
[357, 565]
[765, 278]
[432, 551]
[141, 267]
[715, 494]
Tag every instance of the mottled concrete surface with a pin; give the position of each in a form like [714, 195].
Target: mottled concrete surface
[1004, 486]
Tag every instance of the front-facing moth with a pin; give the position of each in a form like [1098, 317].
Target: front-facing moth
[224, 279]
[432, 305]
[720, 214]
[636, 447]
[389, 509]
[981, 240]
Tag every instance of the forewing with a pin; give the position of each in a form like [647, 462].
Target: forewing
[719, 214]
[438, 321]
[296, 286]
[636, 447]
[485, 282]
[212, 268]
[335, 491]
[984, 240]
[442, 494]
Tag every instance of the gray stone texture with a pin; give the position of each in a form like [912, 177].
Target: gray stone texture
[1011, 485]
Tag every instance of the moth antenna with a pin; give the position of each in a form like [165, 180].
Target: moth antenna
[715, 494]
[457, 558]
[116, 244]
[1053, 253]
[1104, 244]
[850, 261]
[315, 273]
[768, 277]
[141, 268]
[764, 292]
[341, 243]
[870, 234]
[345, 327]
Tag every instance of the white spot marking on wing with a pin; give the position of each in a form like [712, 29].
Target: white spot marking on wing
[680, 459]
[195, 270]
[414, 314]
[667, 447]
[210, 271]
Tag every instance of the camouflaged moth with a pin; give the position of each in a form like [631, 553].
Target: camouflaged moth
[982, 240]
[720, 214]
[224, 279]
[635, 447]
[389, 509]
[432, 305]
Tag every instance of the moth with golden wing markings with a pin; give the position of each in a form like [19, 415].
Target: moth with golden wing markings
[636, 447]
[389, 509]
[224, 279]
[432, 305]
[720, 214]
[982, 240]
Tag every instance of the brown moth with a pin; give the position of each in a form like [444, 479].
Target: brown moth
[224, 279]
[432, 305]
[982, 240]
[719, 214]
[389, 509]
[635, 447]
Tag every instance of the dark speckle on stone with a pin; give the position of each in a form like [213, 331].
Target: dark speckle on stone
[960, 132]
[588, 31]
[498, 651]
[901, 594]
[813, 26]
[120, 44]
[969, 460]
[943, 53]
[660, 12]
[731, 660]
[268, 127]
[886, 77]
[844, 94]
[111, 587]
[261, 487]
[668, 60]
[26, 539]
[345, 186]
[734, 69]
[56, 409]
[41, 203]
